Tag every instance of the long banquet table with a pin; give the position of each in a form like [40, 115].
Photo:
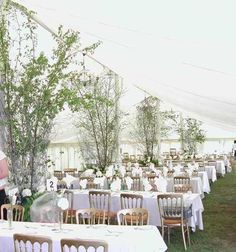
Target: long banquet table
[81, 200]
[119, 238]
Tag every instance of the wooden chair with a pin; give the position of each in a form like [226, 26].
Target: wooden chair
[70, 171]
[172, 214]
[70, 212]
[182, 188]
[130, 200]
[133, 216]
[67, 244]
[136, 186]
[23, 242]
[58, 174]
[17, 211]
[102, 200]
[90, 183]
[90, 216]
[181, 180]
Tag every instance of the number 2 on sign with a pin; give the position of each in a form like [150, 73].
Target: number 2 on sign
[51, 185]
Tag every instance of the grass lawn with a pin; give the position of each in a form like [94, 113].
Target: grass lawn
[219, 219]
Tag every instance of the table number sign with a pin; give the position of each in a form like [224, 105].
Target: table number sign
[52, 184]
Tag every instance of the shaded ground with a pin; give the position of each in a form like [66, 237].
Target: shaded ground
[219, 218]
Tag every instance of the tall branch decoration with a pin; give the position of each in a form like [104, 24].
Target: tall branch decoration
[151, 126]
[98, 120]
[34, 89]
[190, 135]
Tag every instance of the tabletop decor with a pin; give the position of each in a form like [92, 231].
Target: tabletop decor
[63, 204]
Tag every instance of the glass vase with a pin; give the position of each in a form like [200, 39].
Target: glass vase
[9, 217]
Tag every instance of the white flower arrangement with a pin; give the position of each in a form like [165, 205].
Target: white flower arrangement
[26, 193]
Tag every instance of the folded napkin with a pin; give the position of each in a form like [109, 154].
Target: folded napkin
[136, 165]
[146, 184]
[137, 171]
[99, 181]
[129, 181]
[83, 183]
[122, 171]
[68, 179]
[151, 166]
[116, 185]
[87, 173]
[165, 170]
[161, 184]
[109, 173]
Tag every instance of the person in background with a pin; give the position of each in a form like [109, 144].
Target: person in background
[234, 150]
[3, 177]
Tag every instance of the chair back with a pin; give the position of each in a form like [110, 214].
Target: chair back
[17, 211]
[130, 200]
[182, 180]
[100, 200]
[90, 216]
[170, 206]
[32, 243]
[182, 188]
[67, 244]
[212, 163]
[133, 216]
[58, 174]
[70, 171]
[136, 186]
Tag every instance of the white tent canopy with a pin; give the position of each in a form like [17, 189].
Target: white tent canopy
[180, 51]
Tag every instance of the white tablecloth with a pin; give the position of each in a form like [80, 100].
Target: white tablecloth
[149, 202]
[220, 167]
[205, 181]
[119, 238]
[211, 172]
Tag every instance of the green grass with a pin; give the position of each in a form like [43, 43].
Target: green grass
[219, 219]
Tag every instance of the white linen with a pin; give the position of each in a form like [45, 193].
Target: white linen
[83, 183]
[119, 238]
[161, 184]
[116, 185]
[220, 167]
[211, 172]
[69, 180]
[205, 181]
[129, 181]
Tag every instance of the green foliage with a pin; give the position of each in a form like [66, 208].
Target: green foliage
[34, 89]
[98, 118]
[190, 134]
[151, 125]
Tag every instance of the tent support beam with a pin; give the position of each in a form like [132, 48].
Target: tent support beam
[50, 30]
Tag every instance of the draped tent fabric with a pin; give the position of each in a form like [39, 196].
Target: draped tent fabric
[180, 51]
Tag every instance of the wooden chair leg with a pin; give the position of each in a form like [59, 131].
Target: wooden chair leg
[168, 235]
[189, 243]
[183, 234]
